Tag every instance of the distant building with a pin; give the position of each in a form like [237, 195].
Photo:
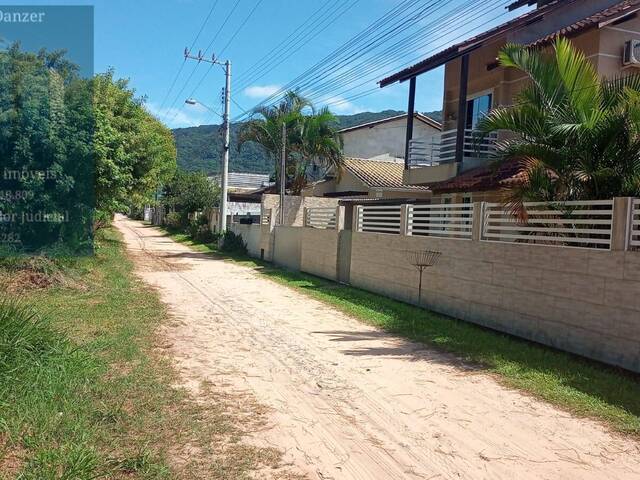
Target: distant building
[386, 138]
[239, 183]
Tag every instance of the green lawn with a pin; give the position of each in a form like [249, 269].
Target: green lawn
[85, 394]
[586, 388]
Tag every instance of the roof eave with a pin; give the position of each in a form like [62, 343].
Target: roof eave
[467, 46]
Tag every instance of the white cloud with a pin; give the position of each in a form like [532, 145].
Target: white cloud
[182, 115]
[261, 91]
[340, 105]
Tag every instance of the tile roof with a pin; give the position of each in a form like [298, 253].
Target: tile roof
[378, 174]
[613, 13]
[483, 178]
[621, 8]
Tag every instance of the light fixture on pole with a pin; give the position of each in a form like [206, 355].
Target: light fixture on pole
[222, 224]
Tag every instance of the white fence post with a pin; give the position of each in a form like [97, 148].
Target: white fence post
[339, 218]
[405, 220]
[621, 223]
[478, 221]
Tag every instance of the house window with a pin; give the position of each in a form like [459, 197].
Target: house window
[477, 108]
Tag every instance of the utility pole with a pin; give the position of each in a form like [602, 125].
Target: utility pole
[222, 221]
[283, 167]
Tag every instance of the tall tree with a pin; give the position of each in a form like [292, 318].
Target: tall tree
[83, 148]
[311, 137]
[135, 153]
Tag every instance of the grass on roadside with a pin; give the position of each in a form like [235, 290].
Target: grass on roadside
[85, 393]
[583, 387]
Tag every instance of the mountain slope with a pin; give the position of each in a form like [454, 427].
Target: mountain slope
[199, 148]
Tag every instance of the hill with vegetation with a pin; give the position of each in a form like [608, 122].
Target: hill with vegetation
[199, 148]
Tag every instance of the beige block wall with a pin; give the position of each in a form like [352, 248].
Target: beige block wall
[251, 234]
[287, 246]
[319, 252]
[583, 301]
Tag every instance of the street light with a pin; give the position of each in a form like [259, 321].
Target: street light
[222, 222]
[193, 101]
[226, 120]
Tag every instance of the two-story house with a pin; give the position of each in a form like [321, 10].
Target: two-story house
[453, 162]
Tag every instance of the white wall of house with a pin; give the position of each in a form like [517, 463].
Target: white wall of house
[386, 139]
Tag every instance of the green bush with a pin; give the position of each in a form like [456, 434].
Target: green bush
[102, 219]
[200, 231]
[233, 243]
[173, 221]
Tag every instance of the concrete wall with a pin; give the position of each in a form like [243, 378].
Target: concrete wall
[287, 246]
[383, 139]
[251, 234]
[320, 252]
[579, 300]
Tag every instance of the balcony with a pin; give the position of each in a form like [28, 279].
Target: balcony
[441, 148]
[434, 159]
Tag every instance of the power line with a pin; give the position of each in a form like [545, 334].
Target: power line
[240, 27]
[389, 56]
[175, 79]
[297, 45]
[409, 62]
[348, 46]
[260, 61]
[186, 83]
[215, 37]
[390, 53]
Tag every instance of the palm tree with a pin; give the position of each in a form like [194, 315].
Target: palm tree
[576, 136]
[311, 137]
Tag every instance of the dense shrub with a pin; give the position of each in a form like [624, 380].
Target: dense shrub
[173, 221]
[200, 231]
[233, 243]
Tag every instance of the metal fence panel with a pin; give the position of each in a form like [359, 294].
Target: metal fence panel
[320, 218]
[445, 220]
[585, 224]
[379, 218]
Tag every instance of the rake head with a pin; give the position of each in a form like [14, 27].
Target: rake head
[423, 258]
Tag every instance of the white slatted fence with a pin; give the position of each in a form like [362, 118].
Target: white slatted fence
[320, 217]
[379, 218]
[445, 220]
[586, 224]
[635, 223]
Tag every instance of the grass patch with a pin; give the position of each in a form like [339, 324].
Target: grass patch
[85, 392]
[583, 387]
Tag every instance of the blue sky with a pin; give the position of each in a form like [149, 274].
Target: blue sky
[143, 40]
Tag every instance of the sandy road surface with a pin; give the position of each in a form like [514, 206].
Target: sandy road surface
[350, 402]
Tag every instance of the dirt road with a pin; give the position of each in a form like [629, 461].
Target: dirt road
[350, 402]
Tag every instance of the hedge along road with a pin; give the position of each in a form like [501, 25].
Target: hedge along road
[347, 401]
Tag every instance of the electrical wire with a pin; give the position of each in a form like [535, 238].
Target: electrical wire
[391, 53]
[175, 79]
